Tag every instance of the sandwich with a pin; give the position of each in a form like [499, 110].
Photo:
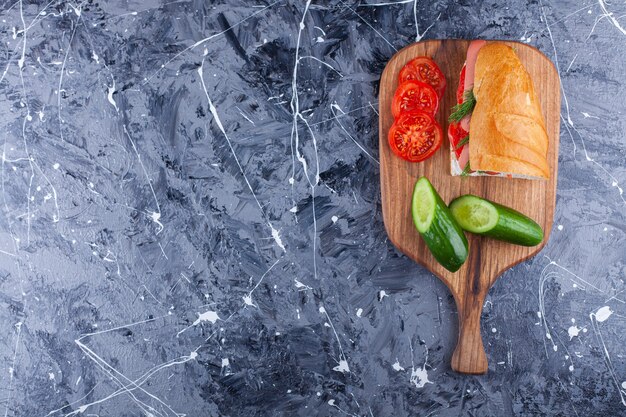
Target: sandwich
[497, 127]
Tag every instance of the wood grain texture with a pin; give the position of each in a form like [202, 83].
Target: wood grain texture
[488, 258]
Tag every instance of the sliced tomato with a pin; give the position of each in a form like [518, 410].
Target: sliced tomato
[424, 69]
[455, 134]
[461, 89]
[415, 136]
[414, 95]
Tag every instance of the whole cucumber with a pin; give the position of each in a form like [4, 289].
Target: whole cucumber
[432, 218]
[483, 217]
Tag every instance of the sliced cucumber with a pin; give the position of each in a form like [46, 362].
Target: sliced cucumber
[432, 218]
[484, 217]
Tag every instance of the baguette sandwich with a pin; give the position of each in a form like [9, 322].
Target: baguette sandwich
[497, 127]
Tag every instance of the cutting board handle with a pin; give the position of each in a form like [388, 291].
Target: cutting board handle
[469, 356]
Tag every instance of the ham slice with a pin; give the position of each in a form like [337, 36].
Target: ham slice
[470, 62]
[465, 122]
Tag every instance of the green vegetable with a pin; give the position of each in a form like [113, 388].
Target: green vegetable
[462, 142]
[459, 111]
[466, 170]
[432, 218]
[484, 217]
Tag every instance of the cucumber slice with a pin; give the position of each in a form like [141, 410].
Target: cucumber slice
[423, 205]
[484, 217]
[475, 214]
[432, 218]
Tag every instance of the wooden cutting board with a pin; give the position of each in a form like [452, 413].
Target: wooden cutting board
[488, 258]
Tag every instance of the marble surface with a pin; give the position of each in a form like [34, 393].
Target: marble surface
[191, 218]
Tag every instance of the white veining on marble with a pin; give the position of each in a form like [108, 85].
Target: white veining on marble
[419, 375]
[155, 216]
[389, 3]
[294, 105]
[110, 92]
[208, 38]
[342, 362]
[248, 298]
[570, 124]
[614, 182]
[609, 15]
[600, 316]
[573, 331]
[546, 275]
[370, 25]
[603, 314]
[418, 35]
[335, 107]
[130, 386]
[216, 118]
[301, 286]
[396, 366]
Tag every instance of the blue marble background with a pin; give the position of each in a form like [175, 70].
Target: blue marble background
[191, 218]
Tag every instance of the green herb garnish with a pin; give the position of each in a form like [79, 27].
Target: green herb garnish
[466, 170]
[459, 111]
[462, 142]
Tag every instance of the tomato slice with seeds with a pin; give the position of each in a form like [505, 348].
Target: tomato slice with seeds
[414, 95]
[415, 136]
[424, 69]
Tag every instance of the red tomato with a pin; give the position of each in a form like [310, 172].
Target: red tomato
[455, 134]
[461, 89]
[414, 95]
[425, 70]
[415, 136]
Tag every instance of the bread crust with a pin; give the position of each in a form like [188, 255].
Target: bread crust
[507, 129]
